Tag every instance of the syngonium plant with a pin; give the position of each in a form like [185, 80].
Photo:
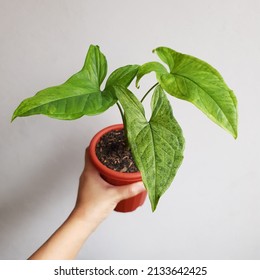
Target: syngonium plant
[157, 144]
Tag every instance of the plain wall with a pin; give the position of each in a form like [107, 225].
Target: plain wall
[212, 209]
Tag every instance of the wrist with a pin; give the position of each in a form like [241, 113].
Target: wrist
[89, 219]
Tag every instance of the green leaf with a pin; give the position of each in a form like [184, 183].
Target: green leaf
[196, 81]
[149, 67]
[79, 95]
[157, 145]
[122, 76]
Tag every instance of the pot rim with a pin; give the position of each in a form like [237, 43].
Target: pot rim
[101, 167]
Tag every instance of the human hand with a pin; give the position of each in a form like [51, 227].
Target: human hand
[98, 198]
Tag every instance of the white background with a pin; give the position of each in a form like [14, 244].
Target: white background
[212, 209]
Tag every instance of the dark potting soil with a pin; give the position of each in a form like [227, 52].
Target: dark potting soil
[112, 150]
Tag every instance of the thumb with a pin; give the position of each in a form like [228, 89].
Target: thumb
[127, 191]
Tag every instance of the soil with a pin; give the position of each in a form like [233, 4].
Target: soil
[112, 150]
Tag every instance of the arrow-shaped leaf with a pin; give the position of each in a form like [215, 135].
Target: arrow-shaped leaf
[157, 145]
[196, 81]
[80, 94]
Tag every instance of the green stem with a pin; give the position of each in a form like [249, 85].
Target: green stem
[121, 112]
[123, 119]
[149, 91]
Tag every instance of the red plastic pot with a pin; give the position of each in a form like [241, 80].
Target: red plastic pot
[114, 177]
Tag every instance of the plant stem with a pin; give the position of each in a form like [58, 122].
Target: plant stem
[123, 119]
[149, 91]
[121, 111]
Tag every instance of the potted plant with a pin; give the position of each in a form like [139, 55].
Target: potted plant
[156, 145]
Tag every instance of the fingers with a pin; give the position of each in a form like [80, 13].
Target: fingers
[88, 163]
[118, 192]
[127, 191]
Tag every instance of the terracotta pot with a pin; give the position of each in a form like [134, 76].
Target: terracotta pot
[114, 177]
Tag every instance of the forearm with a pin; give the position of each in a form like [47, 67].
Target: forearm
[66, 242]
[95, 201]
